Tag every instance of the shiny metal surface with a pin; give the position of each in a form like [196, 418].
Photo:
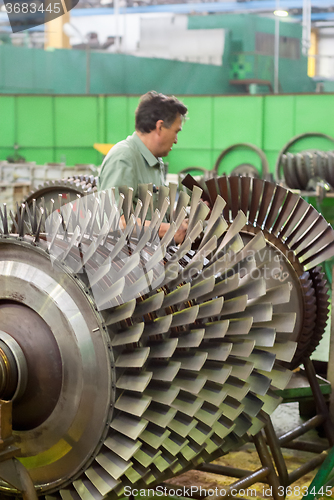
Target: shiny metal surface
[149, 358]
[60, 419]
[295, 233]
[20, 361]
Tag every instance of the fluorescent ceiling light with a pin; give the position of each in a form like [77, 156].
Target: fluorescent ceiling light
[281, 13]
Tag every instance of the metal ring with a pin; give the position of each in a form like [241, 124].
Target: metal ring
[261, 154]
[21, 363]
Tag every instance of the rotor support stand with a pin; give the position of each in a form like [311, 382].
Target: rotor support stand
[322, 417]
[11, 470]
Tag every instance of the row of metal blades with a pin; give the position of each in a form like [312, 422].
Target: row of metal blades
[193, 332]
[298, 233]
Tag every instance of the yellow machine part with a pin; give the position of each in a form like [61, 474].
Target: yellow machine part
[103, 148]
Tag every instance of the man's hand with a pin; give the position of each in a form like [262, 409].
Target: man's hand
[164, 226]
[181, 232]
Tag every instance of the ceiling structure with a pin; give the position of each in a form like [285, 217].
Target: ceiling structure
[322, 10]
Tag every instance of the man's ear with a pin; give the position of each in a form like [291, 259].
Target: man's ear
[158, 126]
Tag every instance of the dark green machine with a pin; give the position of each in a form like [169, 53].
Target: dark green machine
[251, 52]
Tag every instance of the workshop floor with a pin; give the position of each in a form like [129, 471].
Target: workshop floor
[285, 418]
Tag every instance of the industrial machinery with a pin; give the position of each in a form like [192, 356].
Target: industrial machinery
[296, 235]
[129, 360]
[61, 191]
[241, 169]
[303, 170]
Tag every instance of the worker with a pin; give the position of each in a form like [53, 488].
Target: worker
[137, 159]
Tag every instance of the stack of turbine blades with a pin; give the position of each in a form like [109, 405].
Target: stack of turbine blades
[187, 355]
[322, 303]
[296, 234]
[300, 168]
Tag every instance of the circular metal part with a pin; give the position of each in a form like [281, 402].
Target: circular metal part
[301, 171]
[246, 169]
[307, 169]
[64, 412]
[161, 356]
[20, 364]
[24, 324]
[8, 373]
[292, 141]
[277, 270]
[322, 299]
[62, 191]
[264, 162]
[292, 227]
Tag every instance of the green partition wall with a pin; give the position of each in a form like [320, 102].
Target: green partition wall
[64, 128]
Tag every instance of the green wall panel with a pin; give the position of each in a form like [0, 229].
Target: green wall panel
[237, 119]
[5, 152]
[116, 119]
[18, 76]
[76, 121]
[197, 129]
[69, 71]
[107, 75]
[279, 121]
[312, 143]
[101, 119]
[315, 114]
[35, 121]
[71, 156]
[178, 159]
[38, 155]
[7, 123]
[272, 158]
[58, 128]
[132, 106]
[167, 76]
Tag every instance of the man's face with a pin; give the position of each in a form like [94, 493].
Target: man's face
[168, 136]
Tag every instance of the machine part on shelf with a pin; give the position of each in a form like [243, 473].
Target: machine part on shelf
[308, 170]
[297, 175]
[245, 170]
[143, 359]
[63, 191]
[313, 184]
[55, 194]
[297, 235]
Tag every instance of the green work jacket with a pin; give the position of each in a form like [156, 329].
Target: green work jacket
[130, 163]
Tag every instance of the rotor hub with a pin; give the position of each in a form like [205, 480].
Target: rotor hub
[8, 373]
[40, 376]
[48, 364]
